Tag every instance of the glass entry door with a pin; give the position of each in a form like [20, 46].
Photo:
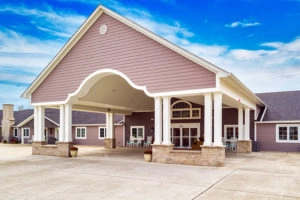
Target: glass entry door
[182, 135]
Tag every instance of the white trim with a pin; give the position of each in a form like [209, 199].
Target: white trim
[190, 109]
[185, 125]
[137, 127]
[105, 132]
[234, 126]
[23, 129]
[288, 133]
[90, 81]
[85, 132]
[278, 122]
[17, 132]
[263, 115]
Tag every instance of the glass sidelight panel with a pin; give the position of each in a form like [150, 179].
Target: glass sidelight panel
[176, 137]
[185, 137]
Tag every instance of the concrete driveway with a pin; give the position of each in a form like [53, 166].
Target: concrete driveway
[121, 173]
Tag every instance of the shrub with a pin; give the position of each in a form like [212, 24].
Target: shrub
[74, 148]
[148, 152]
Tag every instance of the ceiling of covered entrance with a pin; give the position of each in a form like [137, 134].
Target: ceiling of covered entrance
[113, 93]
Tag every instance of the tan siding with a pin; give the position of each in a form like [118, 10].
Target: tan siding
[143, 60]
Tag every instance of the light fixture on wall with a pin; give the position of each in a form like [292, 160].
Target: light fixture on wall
[152, 130]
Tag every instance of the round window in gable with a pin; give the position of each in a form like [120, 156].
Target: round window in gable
[103, 29]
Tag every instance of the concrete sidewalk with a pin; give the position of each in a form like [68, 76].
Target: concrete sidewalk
[121, 173]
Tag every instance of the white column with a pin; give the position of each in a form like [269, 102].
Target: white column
[39, 124]
[218, 119]
[207, 120]
[158, 120]
[240, 124]
[166, 121]
[61, 123]
[110, 130]
[68, 123]
[247, 124]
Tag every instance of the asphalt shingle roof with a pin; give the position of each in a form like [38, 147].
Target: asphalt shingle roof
[281, 106]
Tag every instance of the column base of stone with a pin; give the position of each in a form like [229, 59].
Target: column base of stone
[161, 153]
[62, 149]
[244, 146]
[213, 156]
[110, 143]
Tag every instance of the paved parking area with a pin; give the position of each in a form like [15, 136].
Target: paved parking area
[121, 173]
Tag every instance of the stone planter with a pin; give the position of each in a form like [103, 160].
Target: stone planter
[148, 157]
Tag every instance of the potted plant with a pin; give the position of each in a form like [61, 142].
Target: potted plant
[73, 151]
[148, 155]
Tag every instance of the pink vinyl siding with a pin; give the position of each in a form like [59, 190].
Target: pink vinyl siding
[143, 60]
[266, 136]
[92, 137]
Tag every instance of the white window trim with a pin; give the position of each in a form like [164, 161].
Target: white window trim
[99, 132]
[76, 133]
[185, 125]
[234, 126]
[28, 132]
[137, 127]
[14, 131]
[288, 133]
[191, 109]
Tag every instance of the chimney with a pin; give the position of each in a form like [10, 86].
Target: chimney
[7, 121]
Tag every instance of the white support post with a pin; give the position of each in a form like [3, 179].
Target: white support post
[247, 124]
[110, 131]
[240, 124]
[207, 120]
[218, 119]
[61, 123]
[39, 124]
[158, 120]
[166, 121]
[68, 123]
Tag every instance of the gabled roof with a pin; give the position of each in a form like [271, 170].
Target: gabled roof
[89, 22]
[281, 106]
[78, 117]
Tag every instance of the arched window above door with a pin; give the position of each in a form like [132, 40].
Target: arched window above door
[184, 110]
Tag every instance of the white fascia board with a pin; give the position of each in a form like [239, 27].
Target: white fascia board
[25, 121]
[239, 86]
[279, 122]
[61, 54]
[185, 93]
[57, 124]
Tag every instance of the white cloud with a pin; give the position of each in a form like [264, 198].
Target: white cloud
[244, 23]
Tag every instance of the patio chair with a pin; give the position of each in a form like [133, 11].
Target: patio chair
[130, 143]
[148, 142]
[138, 143]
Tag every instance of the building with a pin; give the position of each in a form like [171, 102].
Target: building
[113, 65]
[87, 128]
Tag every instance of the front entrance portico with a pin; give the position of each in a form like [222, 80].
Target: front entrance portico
[108, 72]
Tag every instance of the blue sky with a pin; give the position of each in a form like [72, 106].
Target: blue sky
[256, 40]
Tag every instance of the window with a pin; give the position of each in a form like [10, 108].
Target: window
[184, 110]
[137, 132]
[102, 132]
[231, 131]
[15, 132]
[287, 133]
[80, 132]
[26, 132]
